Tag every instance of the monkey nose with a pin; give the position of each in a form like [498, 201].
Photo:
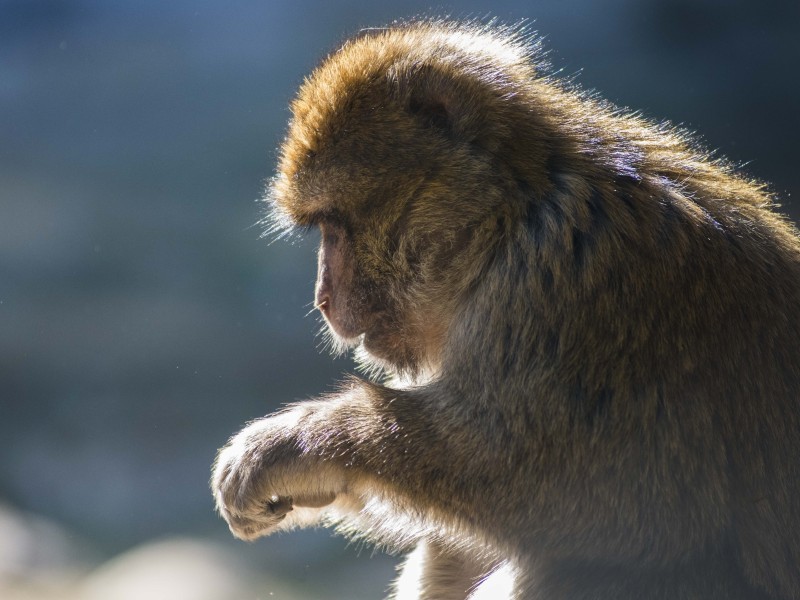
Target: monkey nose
[322, 293]
[323, 303]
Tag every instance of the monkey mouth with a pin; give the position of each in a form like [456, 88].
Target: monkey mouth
[347, 333]
[345, 322]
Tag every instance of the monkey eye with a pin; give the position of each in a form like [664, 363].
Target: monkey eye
[305, 228]
[330, 217]
[314, 220]
[310, 220]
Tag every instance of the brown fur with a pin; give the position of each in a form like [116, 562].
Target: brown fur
[590, 329]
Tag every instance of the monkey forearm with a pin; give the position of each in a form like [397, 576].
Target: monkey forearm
[400, 438]
[364, 438]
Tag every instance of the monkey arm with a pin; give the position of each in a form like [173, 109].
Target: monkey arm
[435, 459]
[367, 440]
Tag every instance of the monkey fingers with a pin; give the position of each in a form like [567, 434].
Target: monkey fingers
[254, 526]
[278, 506]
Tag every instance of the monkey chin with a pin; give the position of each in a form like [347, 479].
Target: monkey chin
[367, 351]
[376, 349]
[341, 339]
[346, 332]
[381, 355]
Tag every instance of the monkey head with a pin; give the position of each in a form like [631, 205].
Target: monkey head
[391, 153]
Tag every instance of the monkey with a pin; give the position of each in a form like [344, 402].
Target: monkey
[579, 330]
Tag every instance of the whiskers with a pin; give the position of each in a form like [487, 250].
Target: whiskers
[311, 310]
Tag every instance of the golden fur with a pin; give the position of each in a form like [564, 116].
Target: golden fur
[589, 326]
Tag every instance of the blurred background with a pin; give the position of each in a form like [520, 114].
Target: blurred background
[142, 317]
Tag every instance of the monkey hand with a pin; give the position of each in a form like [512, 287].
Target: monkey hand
[263, 474]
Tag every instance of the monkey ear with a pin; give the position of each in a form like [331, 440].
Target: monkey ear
[435, 98]
[432, 112]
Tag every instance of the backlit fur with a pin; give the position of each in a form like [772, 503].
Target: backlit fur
[593, 329]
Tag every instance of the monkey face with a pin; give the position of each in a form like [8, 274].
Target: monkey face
[355, 300]
[333, 294]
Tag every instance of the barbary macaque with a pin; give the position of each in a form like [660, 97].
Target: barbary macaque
[582, 334]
